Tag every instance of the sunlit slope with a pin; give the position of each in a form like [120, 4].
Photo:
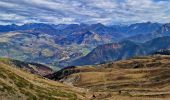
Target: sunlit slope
[138, 78]
[16, 84]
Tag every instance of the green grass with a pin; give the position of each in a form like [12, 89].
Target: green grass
[21, 87]
[85, 51]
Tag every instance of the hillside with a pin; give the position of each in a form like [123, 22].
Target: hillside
[33, 68]
[37, 47]
[162, 52]
[122, 50]
[140, 78]
[164, 30]
[16, 84]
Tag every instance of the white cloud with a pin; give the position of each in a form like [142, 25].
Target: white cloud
[84, 11]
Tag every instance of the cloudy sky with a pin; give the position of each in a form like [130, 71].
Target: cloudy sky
[84, 11]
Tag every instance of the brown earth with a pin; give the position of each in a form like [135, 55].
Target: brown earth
[140, 78]
[19, 84]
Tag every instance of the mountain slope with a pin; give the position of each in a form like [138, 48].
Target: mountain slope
[140, 78]
[62, 31]
[33, 68]
[162, 52]
[122, 50]
[164, 30]
[143, 28]
[16, 84]
[37, 47]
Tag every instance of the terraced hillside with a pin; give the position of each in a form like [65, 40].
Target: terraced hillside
[140, 78]
[16, 84]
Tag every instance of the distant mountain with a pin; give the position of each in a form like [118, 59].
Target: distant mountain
[142, 28]
[88, 38]
[65, 30]
[122, 50]
[162, 52]
[56, 45]
[8, 28]
[39, 28]
[164, 30]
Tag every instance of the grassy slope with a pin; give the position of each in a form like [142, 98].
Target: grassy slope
[139, 79]
[16, 84]
[33, 68]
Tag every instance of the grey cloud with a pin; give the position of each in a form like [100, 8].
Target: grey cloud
[84, 11]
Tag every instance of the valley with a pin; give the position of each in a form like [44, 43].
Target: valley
[91, 63]
[84, 50]
[61, 45]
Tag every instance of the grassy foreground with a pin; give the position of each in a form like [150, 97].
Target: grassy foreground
[16, 84]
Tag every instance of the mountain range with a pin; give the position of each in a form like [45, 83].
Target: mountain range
[84, 62]
[164, 30]
[58, 45]
[123, 50]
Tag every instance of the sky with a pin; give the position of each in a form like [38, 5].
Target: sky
[84, 11]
